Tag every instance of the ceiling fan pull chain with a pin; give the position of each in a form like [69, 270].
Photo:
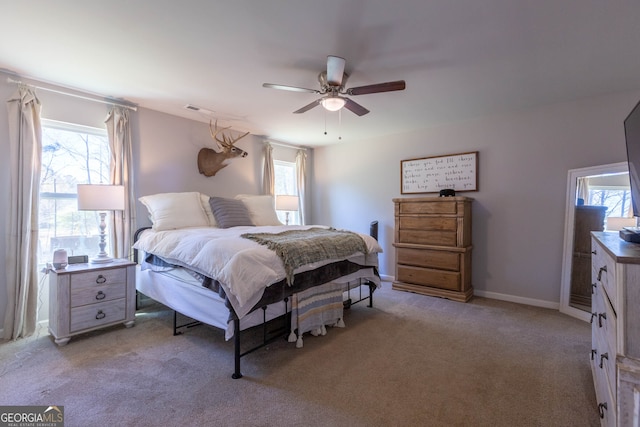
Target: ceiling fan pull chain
[340, 125]
[325, 122]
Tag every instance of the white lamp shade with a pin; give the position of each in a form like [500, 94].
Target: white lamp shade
[333, 103]
[286, 203]
[100, 197]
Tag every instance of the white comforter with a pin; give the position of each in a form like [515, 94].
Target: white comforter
[243, 267]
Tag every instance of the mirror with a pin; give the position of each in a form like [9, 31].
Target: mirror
[575, 290]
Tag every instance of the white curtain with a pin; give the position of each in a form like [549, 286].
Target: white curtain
[268, 178]
[301, 170]
[25, 136]
[582, 190]
[123, 223]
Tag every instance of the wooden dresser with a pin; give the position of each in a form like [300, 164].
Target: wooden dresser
[433, 246]
[615, 320]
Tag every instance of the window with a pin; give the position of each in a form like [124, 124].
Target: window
[613, 192]
[285, 182]
[71, 155]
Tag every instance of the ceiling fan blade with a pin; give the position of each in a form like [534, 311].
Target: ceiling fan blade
[308, 106]
[291, 88]
[354, 107]
[335, 70]
[376, 88]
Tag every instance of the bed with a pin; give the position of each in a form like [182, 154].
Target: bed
[231, 264]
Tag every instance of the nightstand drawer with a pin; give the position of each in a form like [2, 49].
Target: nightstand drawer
[90, 316]
[97, 293]
[91, 279]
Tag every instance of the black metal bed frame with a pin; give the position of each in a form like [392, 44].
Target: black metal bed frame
[268, 336]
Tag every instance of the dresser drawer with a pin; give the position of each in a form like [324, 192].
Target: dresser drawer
[90, 279]
[428, 223]
[440, 207]
[98, 293]
[429, 258]
[434, 238]
[604, 335]
[604, 271]
[91, 316]
[429, 277]
[605, 397]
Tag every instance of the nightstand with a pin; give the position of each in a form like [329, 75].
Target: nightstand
[85, 297]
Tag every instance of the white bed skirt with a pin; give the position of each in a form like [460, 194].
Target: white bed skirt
[179, 291]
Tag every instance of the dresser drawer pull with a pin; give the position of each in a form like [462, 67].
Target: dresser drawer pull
[100, 315]
[601, 408]
[595, 252]
[593, 353]
[101, 279]
[592, 316]
[602, 357]
[600, 272]
[100, 295]
[600, 317]
[593, 288]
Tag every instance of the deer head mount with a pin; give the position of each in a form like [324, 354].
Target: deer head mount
[211, 161]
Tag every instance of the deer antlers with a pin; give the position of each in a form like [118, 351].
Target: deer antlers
[227, 142]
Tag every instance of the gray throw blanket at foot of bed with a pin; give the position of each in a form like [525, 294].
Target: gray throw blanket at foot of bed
[300, 247]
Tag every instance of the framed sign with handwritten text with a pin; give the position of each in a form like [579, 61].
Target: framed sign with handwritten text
[432, 174]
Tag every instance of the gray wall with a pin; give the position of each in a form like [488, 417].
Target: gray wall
[518, 212]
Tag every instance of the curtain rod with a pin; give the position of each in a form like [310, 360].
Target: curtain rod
[10, 80]
[281, 144]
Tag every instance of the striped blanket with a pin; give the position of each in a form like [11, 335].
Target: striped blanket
[315, 308]
[301, 247]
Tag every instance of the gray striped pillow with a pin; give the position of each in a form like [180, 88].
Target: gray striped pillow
[229, 212]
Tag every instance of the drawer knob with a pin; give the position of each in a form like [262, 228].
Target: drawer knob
[602, 357]
[601, 408]
[100, 295]
[600, 317]
[100, 315]
[101, 279]
[600, 272]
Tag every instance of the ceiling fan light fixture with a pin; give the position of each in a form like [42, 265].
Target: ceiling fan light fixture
[333, 103]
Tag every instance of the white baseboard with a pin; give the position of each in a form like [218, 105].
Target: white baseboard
[520, 300]
[386, 278]
[502, 297]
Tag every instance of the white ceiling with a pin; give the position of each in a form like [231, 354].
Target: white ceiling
[460, 58]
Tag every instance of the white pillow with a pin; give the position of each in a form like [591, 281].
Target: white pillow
[261, 208]
[204, 199]
[169, 211]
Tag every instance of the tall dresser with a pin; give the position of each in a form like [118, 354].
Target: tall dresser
[433, 246]
[615, 330]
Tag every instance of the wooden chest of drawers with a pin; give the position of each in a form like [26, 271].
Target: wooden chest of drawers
[615, 330]
[84, 297]
[433, 246]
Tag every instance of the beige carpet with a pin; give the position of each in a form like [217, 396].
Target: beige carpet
[411, 360]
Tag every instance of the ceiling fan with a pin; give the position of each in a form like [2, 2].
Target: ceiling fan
[332, 86]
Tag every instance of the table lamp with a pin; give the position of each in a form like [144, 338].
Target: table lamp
[101, 198]
[288, 204]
